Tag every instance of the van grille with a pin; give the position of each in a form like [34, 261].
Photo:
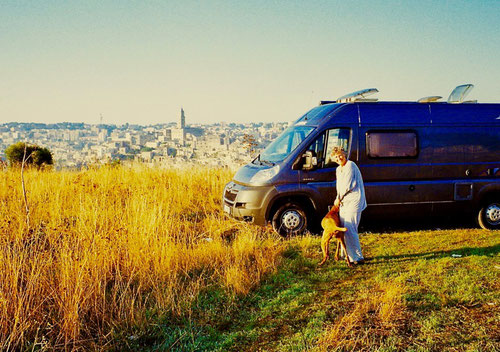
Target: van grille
[230, 195]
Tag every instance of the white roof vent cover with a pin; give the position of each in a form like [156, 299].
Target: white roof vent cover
[359, 95]
[430, 99]
[458, 94]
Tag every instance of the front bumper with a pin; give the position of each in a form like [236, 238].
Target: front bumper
[247, 203]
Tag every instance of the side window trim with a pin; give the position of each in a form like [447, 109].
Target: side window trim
[389, 131]
[326, 135]
[349, 143]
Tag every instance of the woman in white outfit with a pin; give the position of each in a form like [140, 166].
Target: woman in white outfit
[351, 200]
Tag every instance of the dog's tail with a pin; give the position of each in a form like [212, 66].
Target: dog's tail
[328, 223]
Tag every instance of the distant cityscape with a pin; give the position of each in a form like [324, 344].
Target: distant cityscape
[75, 145]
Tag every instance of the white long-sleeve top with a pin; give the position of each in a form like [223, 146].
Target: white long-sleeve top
[350, 187]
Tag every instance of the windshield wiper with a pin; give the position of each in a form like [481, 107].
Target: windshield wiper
[257, 159]
[266, 162]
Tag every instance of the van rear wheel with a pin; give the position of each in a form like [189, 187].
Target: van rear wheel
[489, 215]
[290, 219]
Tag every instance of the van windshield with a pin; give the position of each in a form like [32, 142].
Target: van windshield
[282, 146]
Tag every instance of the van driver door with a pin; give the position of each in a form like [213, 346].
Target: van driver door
[319, 182]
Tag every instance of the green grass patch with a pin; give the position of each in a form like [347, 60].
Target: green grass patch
[419, 291]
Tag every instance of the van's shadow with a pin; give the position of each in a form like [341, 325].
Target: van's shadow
[490, 251]
[408, 225]
[405, 225]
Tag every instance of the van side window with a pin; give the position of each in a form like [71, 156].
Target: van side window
[391, 144]
[318, 147]
[337, 137]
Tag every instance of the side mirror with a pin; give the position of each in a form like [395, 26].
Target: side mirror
[310, 161]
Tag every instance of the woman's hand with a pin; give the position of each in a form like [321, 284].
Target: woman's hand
[337, 202]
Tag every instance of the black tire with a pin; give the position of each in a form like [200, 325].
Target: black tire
[489, 215]
[290, 219]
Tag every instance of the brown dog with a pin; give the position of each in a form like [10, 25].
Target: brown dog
[331, 228]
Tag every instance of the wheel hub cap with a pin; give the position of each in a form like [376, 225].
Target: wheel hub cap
[493, 214]
[291, 219]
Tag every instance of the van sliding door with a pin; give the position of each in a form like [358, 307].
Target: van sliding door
[394, 159]
[395, 173]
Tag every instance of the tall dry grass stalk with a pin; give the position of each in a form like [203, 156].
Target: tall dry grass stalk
[106, 245]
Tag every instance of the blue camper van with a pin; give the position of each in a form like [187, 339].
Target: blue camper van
[417, 159]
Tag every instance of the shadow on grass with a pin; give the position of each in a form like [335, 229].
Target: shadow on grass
[462, 252]
[412, 224]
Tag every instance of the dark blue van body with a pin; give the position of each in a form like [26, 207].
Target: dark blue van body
[416, 159]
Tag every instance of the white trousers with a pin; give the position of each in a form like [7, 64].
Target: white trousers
[350, 220]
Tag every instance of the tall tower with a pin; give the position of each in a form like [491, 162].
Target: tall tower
[182, 121]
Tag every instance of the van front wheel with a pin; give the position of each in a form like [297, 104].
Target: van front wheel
[290, 219]
[489, 215]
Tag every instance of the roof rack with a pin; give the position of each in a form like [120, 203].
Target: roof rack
[429, 99]
[324, 102]
[456, 97]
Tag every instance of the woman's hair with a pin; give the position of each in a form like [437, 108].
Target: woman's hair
[337, 151]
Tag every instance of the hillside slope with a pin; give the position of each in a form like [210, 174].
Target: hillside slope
[116, 258]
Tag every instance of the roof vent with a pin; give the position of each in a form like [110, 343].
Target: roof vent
[430, 99]
[358, 96]
[459, 93]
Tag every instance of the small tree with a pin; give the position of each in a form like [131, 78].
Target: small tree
[249, 143]
[32, 154]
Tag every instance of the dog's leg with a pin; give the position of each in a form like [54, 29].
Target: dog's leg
[342, 242]
[325, 246]
[337, 251]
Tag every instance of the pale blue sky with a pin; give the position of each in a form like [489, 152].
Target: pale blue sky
[235, 61]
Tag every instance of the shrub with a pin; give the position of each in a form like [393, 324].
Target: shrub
[35, 155]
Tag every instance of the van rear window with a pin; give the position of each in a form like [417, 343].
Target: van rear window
[391, 144]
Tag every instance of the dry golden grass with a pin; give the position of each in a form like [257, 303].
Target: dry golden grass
[376, 314]
[106, 245]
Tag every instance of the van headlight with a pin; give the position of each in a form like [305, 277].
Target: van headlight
[265, 175]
